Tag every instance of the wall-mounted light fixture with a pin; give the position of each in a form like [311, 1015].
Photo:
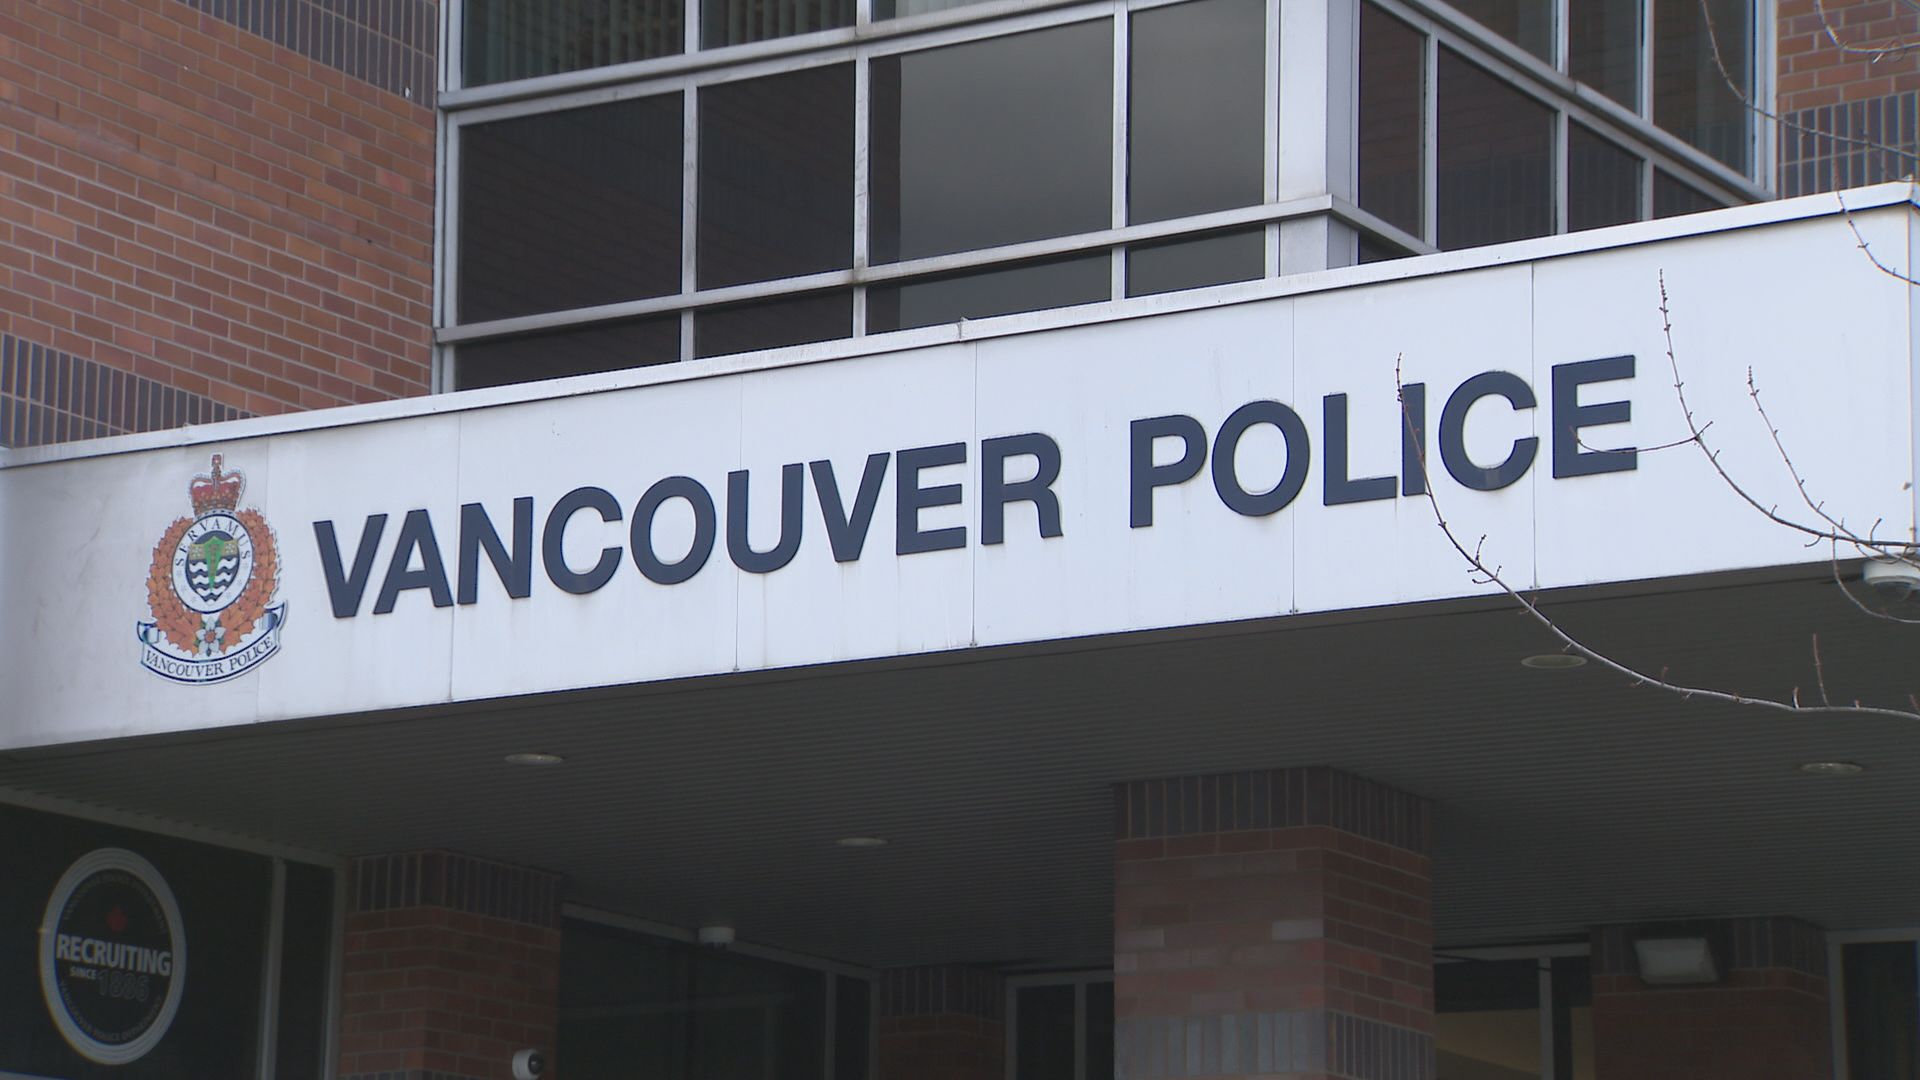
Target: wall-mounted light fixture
[1676, 961]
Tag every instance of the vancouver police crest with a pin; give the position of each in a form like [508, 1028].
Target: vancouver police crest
[211, 588]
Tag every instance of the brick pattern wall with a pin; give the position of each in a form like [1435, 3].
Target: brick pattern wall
[1848, 117]
[941, 1023]
[49, 397]
[1767, 1019]
[1277, 941]
[389, 43]
[438, 990]
[192, 204]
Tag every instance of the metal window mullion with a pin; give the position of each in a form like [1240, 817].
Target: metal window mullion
[1430, 142]
[1270, 131]
[862, 177]
[1644, 106]
[1563, 36]
[1080, 1029]
[1122, 106]
[1562, 172]
[1547, 1050]
[689, 207]
[832, 1029]
[269, 1038]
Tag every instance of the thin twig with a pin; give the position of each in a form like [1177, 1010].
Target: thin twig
[1491, 575]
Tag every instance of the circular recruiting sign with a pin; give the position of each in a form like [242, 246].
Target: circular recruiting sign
[113, 959]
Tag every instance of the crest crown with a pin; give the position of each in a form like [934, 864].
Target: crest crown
[218, 491]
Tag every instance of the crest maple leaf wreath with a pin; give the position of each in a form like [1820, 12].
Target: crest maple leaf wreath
[215, 634]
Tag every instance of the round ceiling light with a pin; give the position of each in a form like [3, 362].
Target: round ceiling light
[530, 758]
[862, 841]
[1556, 661]
[1832, 768]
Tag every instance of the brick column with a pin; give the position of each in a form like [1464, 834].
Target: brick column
[942, 1023]
[1272, 923]
[452, 964]
[1766, 1020]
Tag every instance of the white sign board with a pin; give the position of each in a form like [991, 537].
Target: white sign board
[1242, 461]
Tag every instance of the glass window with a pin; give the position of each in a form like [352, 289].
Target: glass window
[306, 945]
[852, 1027]
[1691, 95]
[900, 9]
[993, 142]
[1526, 23]
[736, 22]
[1373, 251]
[575, 351]
[1487, 1020]
[1024, 287]
[1496, 159]
[1603, 181]
[1193, 263]
[570, 209]
[1043, 1032]
[1099, 1031]
[1672, 197]
[1878, 981]
[1604, 47]
[769, 324]
[518, 39]
[776, 177]
[1196, 117]
[636, 1006]
[1573, 1018]
[1392, 63]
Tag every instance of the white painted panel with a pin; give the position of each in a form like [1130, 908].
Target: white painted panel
[816, 609]
[1085, 388]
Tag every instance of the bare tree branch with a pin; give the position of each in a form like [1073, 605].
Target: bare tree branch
[1861, 242]
[1874, 51]
[1485, 574]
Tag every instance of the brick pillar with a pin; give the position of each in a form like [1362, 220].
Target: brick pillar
[452, 964]
[942, 1023]
[1766, 1020]
[1273, 922]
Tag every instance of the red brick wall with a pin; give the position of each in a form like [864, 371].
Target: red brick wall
[1281, 923]
[430, 988]
[185, 200]
[944, 1046]
[1767, 1020]
[1813, 71]
[1759, 1025]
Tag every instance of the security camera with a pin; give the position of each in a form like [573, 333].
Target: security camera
[529, 1064]
[1893, 580]
[716, 937]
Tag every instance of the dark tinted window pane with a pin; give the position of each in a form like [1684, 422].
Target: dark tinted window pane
[1043, 1033]
[632, 1006]
[1603, 181]
[1100, 1031]
[518, 39]
[607, 347]
[1487, 1020]
[1604, 47]
[769, 324]
[1671, 197]
[1392, 63]
[993, 142]
[1573, 1019]
[1496, 159]
[1526, 23]
[1372, 251]
[736, 22]
[776, 177]
[570, 209]
[1195, 129]
[306, 950]
[852, 1027]
[1691, 97]
[1879, 985]
[1028, 287]
[1191, 264]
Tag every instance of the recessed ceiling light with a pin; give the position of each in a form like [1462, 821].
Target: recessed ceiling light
[1554, 661]
[534, 759]
[1832, 768]
[862, 841]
